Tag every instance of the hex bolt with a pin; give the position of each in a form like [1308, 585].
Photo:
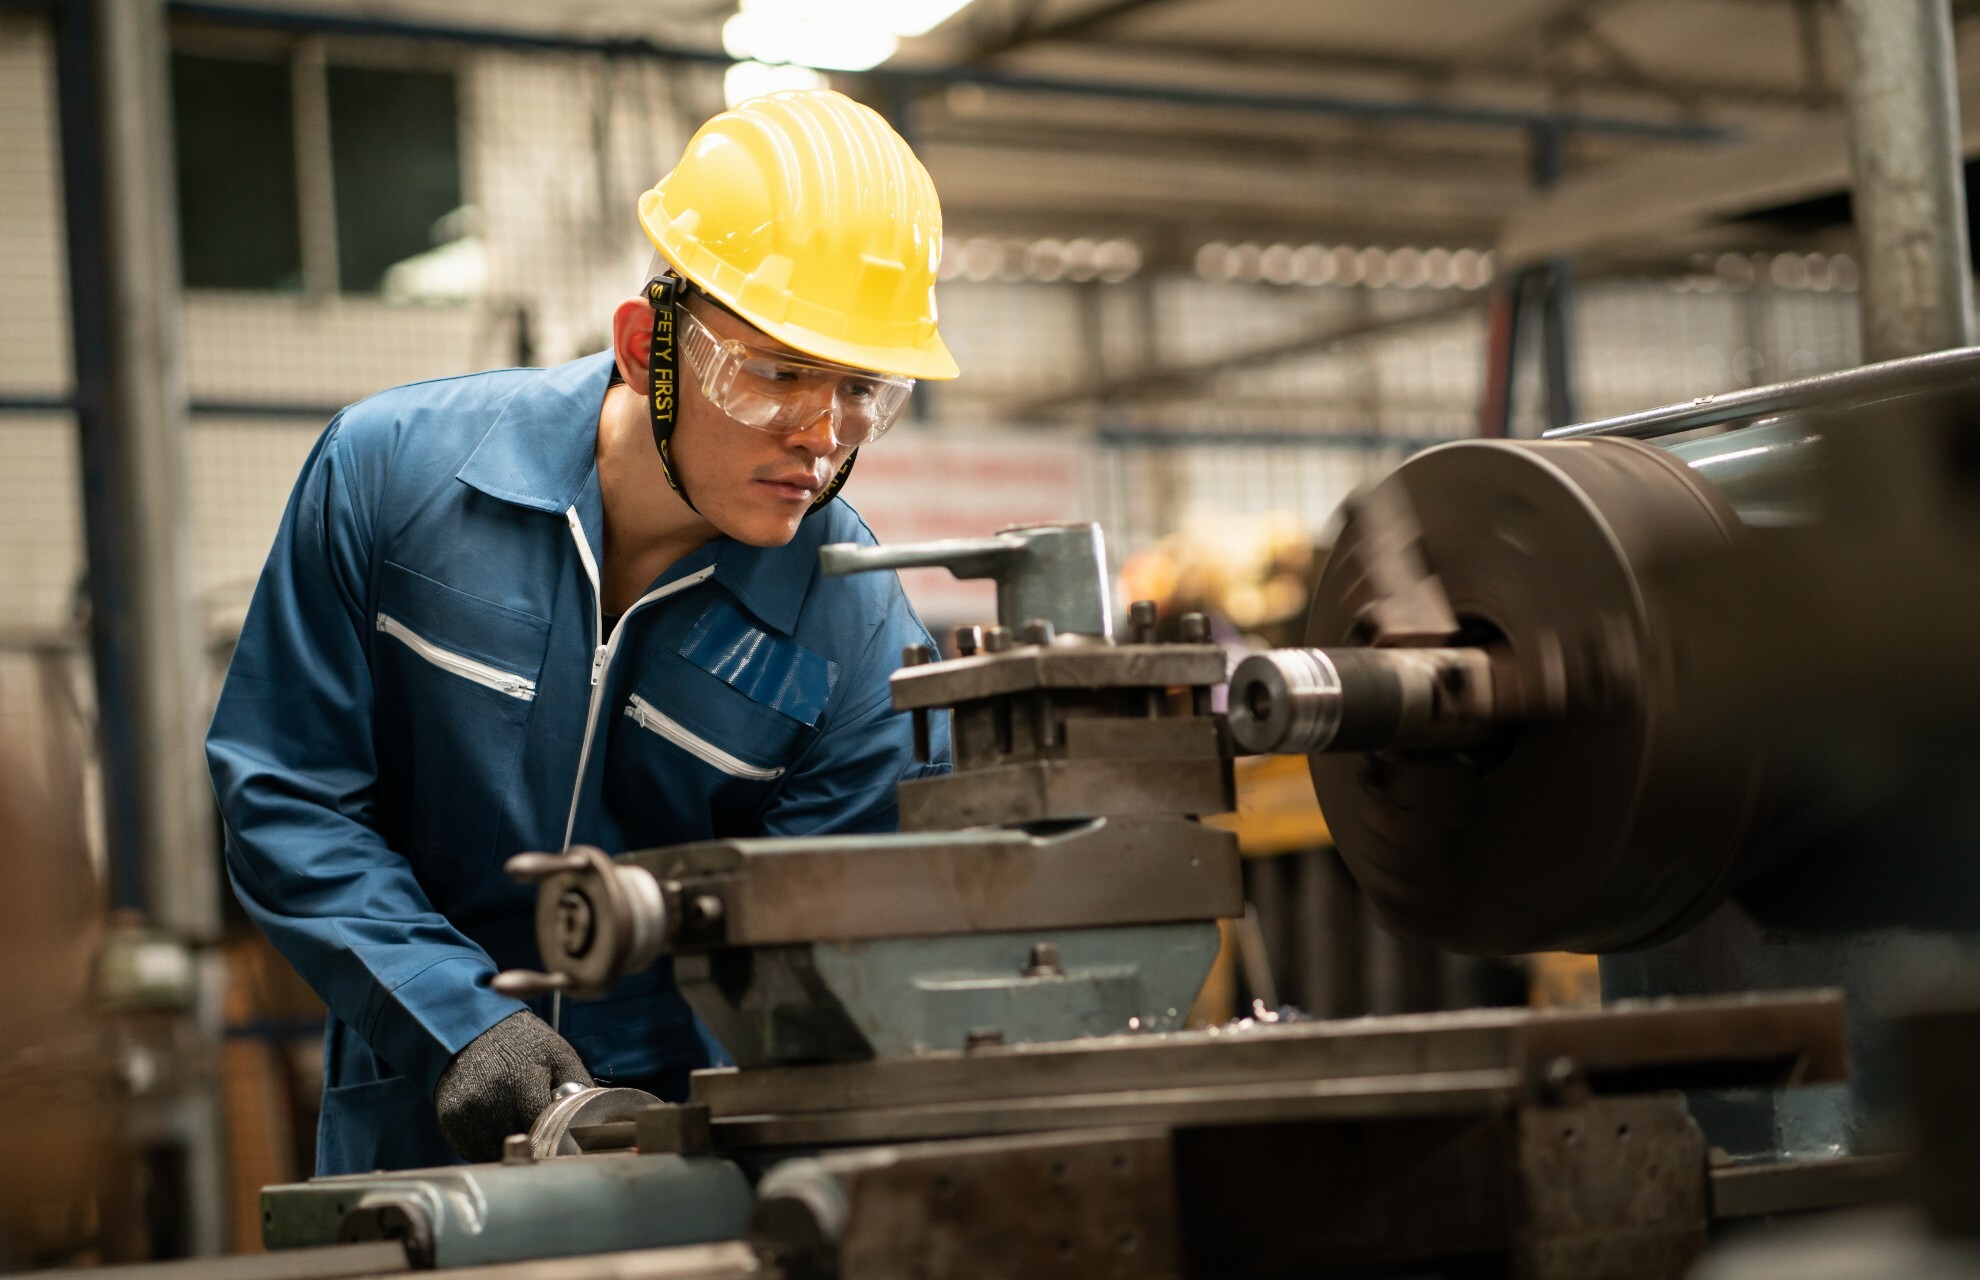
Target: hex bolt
[968, 640]
[983, 1038]
[707, 909]
[515, 1149]
[1141, 621]
[1044, 961]
[996, 639]
[1195, 628]
[1559, 1079]
[920, 655]
[1038, 631]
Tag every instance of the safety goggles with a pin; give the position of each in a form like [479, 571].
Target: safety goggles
[781, 392]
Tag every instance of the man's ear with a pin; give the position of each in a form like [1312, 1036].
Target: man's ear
[632, 336]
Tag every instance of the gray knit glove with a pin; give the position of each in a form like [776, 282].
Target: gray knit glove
[501, 1082]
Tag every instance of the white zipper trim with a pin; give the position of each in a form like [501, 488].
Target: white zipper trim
[606, 648]
[651, 718]
[481, 673]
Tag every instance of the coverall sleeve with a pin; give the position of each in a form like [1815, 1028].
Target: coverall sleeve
[295, 770]
[844, 782]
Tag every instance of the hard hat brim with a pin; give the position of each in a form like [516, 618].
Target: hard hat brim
[930, 362]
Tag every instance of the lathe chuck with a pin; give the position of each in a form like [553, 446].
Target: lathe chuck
[1603, 816]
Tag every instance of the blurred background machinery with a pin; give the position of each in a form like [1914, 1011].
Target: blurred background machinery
[1213, 265]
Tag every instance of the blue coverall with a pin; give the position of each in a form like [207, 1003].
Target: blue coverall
[422, 688]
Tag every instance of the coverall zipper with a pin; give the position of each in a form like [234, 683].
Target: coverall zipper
[481, 673]
[653, 720]
[607, 647]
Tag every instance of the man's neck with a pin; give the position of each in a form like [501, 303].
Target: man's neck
[648, 528]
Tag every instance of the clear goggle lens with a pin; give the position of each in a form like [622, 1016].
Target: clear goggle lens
[780, 392]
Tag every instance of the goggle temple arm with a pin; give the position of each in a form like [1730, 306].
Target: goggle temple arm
[663, 368]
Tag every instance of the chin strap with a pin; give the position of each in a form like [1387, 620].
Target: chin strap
[663, 368]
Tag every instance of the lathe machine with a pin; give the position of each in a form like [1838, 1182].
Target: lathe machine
[1700, 706]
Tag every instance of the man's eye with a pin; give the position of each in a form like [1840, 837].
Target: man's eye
[770, 371]
[861, 390]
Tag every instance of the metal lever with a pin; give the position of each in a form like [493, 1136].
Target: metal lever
[1054, 572]
[534, 868]
[524, 983]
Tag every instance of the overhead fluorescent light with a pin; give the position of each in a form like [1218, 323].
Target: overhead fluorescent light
[814, 39]
[838, 35]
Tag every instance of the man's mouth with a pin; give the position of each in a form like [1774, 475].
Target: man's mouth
[796, 488]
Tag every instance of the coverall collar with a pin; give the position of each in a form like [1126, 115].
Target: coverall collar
[539, 454]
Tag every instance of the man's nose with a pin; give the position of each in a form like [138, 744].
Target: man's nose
[819, 435]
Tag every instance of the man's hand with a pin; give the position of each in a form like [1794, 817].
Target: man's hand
[501, 1082]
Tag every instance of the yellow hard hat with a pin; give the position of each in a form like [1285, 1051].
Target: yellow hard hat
[808, 216]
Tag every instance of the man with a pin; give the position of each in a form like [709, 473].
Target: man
[534, 608]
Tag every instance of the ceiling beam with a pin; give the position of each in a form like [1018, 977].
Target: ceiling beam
[1172, 380]
[1028, 30]
[1666, 192]
[1441, 73]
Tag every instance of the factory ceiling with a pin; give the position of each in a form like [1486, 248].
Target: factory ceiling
[1176, 123]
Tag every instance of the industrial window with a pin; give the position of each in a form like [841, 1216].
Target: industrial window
[395, 154]
[238, 225]
[294, 175]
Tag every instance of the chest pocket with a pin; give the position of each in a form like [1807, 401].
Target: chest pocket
[712, 729]
[456, 685]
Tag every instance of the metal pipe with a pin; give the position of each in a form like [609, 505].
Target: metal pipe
[1907, 179]
[1887, 380]
[126, 317]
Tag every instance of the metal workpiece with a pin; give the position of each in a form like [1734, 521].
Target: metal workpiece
[894, 997]
[478, 1214]
[1769, 472]
[1826, 392]
[1056, 573]
[1078, 1206]
[1609, 812]
[553, 1133]
[1297, 701]
[1410, 1065]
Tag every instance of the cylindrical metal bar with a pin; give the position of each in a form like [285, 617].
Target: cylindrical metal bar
[1766, 470]
[126, 319]
[1298, 701]
[1907, 179]
[1886, 380]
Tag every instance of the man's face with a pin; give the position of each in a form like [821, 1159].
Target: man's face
[752, 485]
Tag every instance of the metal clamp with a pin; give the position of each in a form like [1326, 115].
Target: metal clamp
[1055, 573]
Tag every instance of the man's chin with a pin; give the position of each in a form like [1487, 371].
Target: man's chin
[761, 529]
